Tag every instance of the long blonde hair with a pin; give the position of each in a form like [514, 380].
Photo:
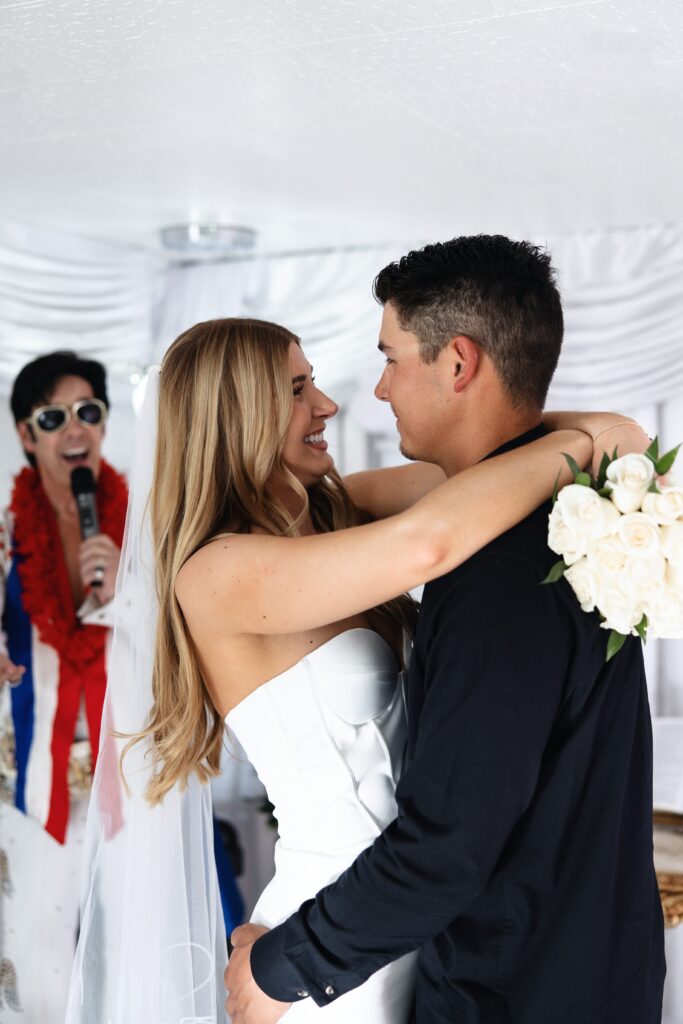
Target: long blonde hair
[225, 403]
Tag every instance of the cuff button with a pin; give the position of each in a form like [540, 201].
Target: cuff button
[329, 990]
[302, 994]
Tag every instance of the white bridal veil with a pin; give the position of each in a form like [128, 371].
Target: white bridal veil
[152, 946]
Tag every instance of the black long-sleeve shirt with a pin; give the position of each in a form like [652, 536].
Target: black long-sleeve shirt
[520, 863]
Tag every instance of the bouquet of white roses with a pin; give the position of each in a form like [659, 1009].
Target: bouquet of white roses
[621, 541]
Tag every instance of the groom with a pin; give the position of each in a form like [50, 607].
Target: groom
[520, 863]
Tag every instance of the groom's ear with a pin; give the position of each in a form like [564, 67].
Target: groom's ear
[464, 361]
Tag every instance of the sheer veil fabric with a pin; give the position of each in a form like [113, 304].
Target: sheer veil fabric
[152, 944]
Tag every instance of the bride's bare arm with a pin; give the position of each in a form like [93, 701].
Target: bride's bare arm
[256, 584]
[609, 430]
[387, 492]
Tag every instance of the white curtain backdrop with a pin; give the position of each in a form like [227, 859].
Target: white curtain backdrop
[623, 302]
[622, 293]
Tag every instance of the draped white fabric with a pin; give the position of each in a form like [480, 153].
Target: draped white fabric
[623, 301]
[622, 292]
[61, 291]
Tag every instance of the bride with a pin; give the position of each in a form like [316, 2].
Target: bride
[282, 611]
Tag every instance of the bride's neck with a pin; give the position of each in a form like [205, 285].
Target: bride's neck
[294, 505]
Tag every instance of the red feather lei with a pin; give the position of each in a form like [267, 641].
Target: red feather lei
[45, 589]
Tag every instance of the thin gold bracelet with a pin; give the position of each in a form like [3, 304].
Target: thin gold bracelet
[623, 423]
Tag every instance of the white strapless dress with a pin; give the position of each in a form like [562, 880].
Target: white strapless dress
[327, 739]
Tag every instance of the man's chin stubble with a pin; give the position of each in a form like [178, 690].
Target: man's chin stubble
[407, 454]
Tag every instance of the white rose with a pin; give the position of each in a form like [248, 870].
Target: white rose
[628, 479]
[665, 616]
[606, 555]
[586, 514]
[672, 542]
[620, 611]
[562, 540]
[643, 579]
[639, 533]
[584, 584]
[665, 507]
[674, 576]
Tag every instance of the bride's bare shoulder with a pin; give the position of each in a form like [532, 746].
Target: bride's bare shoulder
[205, 570]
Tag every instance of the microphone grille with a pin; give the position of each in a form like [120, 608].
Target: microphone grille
[82, 481]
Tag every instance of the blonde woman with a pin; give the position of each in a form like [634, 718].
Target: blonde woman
[282, 616]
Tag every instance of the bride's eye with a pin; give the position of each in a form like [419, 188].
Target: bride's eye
[298, 390]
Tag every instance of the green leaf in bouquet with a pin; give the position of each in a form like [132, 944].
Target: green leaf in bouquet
[614, 644]
[641, 628]
[556, 487]
[653, 488]
[584, 479]
[653, 451]
[602, 472]
[573, 465]
[666, 462]
[604, 492]
[556, 573]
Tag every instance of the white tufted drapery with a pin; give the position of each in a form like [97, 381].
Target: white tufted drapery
[623, 301]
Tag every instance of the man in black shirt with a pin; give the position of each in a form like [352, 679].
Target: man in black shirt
[520, 863]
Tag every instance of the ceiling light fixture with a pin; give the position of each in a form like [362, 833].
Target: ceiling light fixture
[198, 238]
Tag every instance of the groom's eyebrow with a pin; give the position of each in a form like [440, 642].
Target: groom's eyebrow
[383, 347]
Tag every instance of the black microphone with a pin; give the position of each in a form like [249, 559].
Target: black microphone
[83, 488]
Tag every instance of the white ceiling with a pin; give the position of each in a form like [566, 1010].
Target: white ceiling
[352, 121]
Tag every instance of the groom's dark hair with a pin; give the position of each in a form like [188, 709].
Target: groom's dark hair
[501, 294]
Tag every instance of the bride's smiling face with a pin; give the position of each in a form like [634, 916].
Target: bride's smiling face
[305, 449]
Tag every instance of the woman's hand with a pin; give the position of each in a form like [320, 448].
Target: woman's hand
[245, 1001]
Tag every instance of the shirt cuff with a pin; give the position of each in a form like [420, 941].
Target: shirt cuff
[92, 613]
[272, 971]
